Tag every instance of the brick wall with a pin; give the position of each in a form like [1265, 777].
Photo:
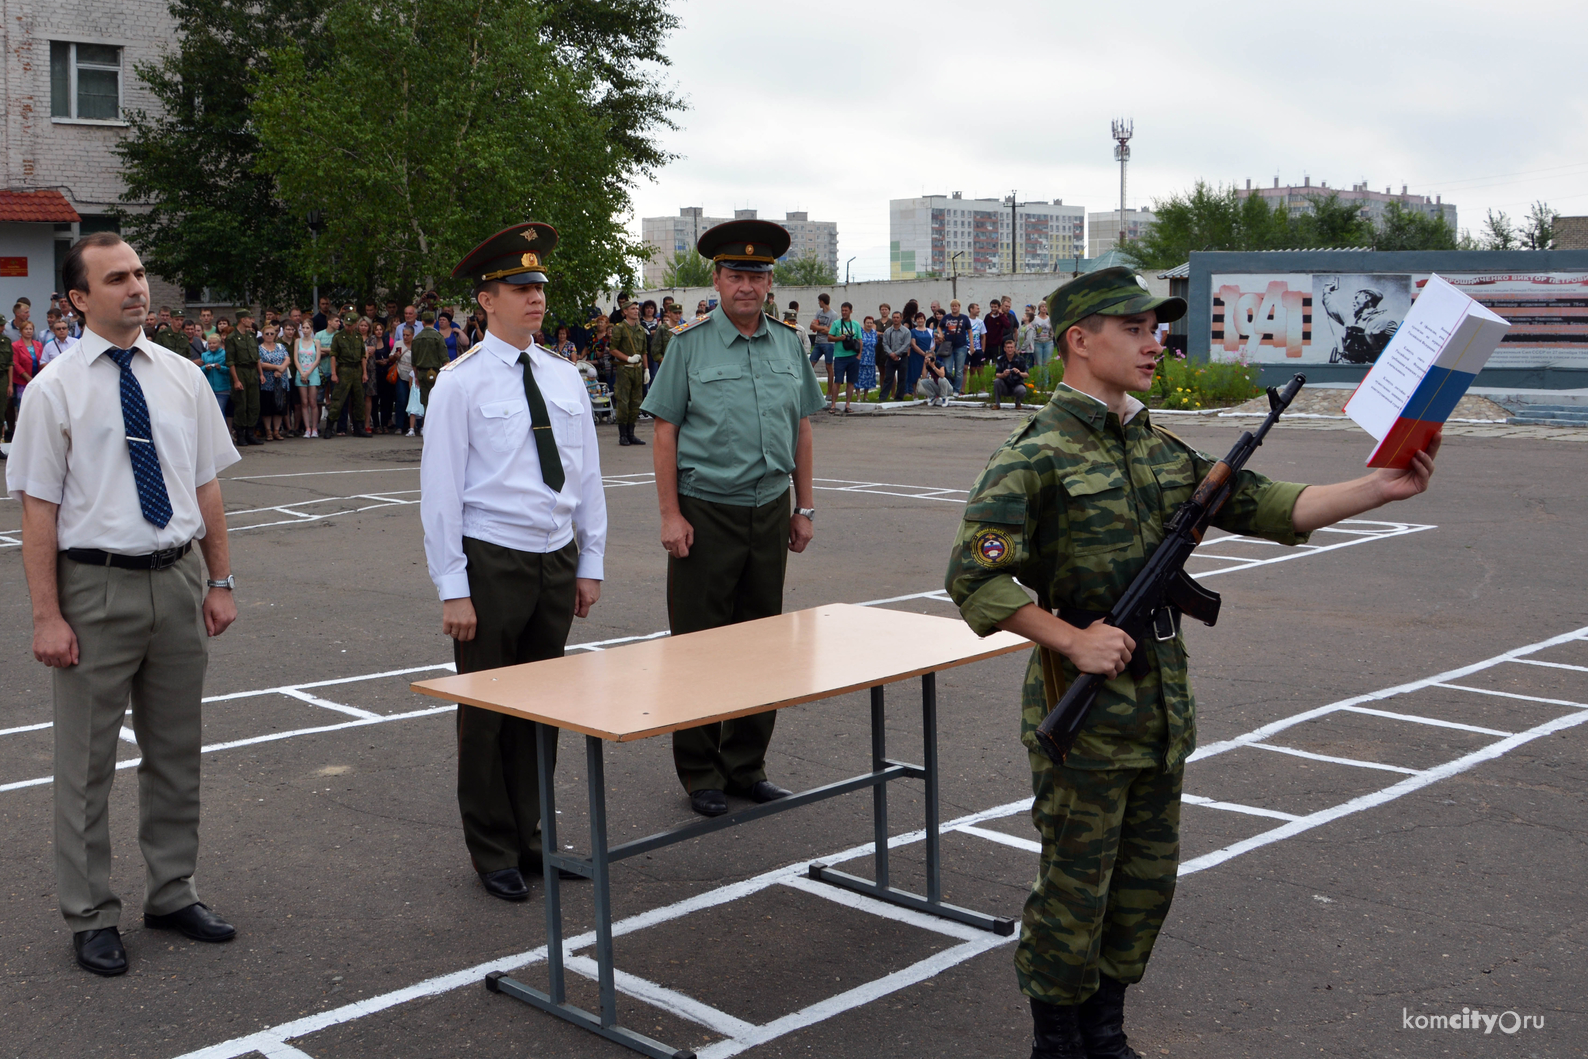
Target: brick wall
[1571, 233]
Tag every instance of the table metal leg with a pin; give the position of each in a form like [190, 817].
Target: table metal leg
[879, 793]
[596, 770]
[544, 736]
[934, 852]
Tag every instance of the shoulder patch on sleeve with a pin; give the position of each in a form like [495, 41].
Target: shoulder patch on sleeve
[1007, 510]
[463, 357]
[992, 549]
[681, 328]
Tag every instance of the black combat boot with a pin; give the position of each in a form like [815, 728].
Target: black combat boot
[623, 435]
[1056, 1032]
[1102, 1021]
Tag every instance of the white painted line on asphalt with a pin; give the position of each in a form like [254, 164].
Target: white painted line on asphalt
[27, 728]
[316, 474]
[882, 909]
[658, 996]
[1551, 665]
[1236, 807]
[1353, 762]
[1416, 718]
[315, 700]
[1030, 845]
[127, 735]
[1513, 695]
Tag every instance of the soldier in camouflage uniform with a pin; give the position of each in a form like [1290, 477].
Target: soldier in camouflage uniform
[429, 357]
[631, 348]
[242, 357]
[347, 369]
[1073, 505]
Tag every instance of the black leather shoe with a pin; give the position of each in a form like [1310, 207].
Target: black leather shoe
[196, 921]
[708, 802]
[766, 791]
[508, 884]
[100, 951]
[533, 865]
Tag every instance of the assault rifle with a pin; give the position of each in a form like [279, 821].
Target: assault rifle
[1163, 587]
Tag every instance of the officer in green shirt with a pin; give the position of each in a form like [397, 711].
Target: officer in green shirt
[429, 357]
[631, 350]
[1072, 507]
[732, 403]
[347, 375]
[242, 357]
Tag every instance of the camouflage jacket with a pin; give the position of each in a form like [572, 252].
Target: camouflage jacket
[429, 350]
[1072, 506]
[630, 340]
[173, 340]
[242, 351]
[347, 347]
[6, 357]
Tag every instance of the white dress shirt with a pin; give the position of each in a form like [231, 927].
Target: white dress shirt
[480, 473]
[71, 446]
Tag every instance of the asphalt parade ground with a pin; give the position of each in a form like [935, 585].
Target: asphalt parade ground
[1385, 821]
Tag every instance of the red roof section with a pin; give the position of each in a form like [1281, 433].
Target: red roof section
[47, 206]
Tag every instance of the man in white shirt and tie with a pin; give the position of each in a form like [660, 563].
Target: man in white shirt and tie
[515, 527]
[115, 464]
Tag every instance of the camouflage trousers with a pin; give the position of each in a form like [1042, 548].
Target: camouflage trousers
[1110, 855]
[629, 392]
[349, 388]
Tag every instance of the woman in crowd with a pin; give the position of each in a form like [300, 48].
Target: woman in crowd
[383, 381]
[1042, 334]
[219, 375]
[922, 341]
[372, 352]
[306, 357]
[648, 318]
[403, 354]
[563, 346]
[25, 353]
[274, 384]
[450, 336]
[868, 357]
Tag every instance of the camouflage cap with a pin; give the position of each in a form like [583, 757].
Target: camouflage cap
[1114, 291]
[428, 317]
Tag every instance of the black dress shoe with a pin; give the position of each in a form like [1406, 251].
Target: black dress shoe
[100, 951]
[708, 802]
[766, 791]
[196, 921]
[508, 884]
[533, 865]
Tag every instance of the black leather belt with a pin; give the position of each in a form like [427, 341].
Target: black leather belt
[153, 561]
[1165, 626]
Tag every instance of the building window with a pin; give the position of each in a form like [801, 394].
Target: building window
[85, 81]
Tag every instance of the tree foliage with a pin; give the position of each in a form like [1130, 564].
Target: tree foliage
[807, 271]
[1538, 230]
[1498, 233]
[687, 269]
[1406, 229]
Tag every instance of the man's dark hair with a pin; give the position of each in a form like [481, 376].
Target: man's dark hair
[1090, 324]
[793, 305]
[74, 274]
[824, 299]
[846, 305]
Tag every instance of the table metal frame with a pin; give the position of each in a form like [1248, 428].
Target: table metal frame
[597, 866]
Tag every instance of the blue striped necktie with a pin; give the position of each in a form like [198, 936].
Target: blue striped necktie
[153, 499]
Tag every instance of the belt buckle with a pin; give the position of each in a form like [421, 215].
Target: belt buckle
[1163, 619]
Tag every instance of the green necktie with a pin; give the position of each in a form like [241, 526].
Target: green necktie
[540, 423]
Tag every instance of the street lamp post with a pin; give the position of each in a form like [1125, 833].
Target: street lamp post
[953, 268]
[846, 271]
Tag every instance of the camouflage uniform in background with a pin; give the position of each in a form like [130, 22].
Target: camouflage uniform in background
[629, 340]
[1073, 505]
[429, 357]
[242, 353]
[347, 348]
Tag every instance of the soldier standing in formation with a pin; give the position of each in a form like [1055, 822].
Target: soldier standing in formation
[173, 336]
[631, 349]
[515, 526]
[1073, 506]
[242, 357]
[732, 403]
[347, 375]
[429, 357]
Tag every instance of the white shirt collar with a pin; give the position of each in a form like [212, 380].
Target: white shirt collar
[94, 344]
[505, 351]
[1132, 406]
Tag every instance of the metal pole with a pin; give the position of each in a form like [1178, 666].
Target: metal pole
[879, 793]
[603, 886]
[934, 860]
[545, 742]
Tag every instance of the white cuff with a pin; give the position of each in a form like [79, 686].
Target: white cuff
[591, 566]
[453, 586]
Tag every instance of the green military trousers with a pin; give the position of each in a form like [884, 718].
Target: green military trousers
[733, 573]
[141, 641]
[523, 606]
[1110, 857]
[627, 397]
[245, 406]
[349, 386]
[426, 377]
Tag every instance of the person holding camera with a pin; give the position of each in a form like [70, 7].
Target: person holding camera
[845, 332]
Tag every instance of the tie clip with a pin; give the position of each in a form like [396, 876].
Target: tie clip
[146, 441]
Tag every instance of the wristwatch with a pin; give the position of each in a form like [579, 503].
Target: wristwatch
[228, 582]
[808, 512]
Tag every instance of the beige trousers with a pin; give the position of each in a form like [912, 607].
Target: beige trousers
[140, 637]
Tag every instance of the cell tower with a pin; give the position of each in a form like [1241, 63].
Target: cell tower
[1123, 129]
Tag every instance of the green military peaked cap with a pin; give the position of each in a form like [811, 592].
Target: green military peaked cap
[747, 245]
[1114, 291]
[513, 255]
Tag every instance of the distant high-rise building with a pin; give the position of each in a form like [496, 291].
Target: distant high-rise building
[950, 234]
[1105, 228]
[672, 235]
[1297, 199]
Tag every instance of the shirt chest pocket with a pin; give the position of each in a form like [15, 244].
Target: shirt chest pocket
[506, 424]
[567, 426]
[1099, 512]
[1176, 482]
[724, 374]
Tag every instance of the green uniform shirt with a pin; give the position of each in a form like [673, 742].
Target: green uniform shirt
[429, 350]
[348, 348]
[660, 339]
[6, 357]
[1072, 506]
[173, 340]
[737, 403]
[242, 351]
[630, 340]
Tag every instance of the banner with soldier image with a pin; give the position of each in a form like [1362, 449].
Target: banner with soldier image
[1348, 318]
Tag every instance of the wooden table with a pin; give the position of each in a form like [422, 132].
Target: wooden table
[651, 687]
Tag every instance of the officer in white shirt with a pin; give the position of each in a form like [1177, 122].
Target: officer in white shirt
[515, 527]
[115, 463]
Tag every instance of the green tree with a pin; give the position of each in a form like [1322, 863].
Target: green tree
[1498, 233]
[430, 124]
[1209, 218]
[213, 219]
[1331, 223]
[687, 269]
[807, 271]
[1538, 231]
[1407, 229]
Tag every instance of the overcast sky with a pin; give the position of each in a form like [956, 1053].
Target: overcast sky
[835, 108]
